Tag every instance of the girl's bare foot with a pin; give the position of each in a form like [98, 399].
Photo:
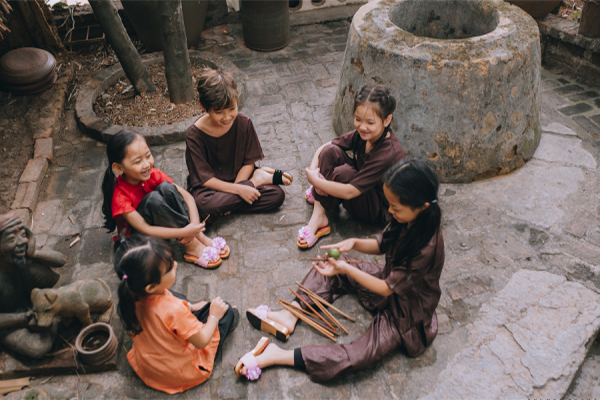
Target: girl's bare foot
[261, 177]
[194, 248]
[284, 317]
[273, 355]
[205, 240]
[318, 219]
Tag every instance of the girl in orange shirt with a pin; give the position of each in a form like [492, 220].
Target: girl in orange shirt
[175, 342]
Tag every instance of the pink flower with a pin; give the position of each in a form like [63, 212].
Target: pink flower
[253, 373]
[304, 233]
[211, 254]
[219, 243]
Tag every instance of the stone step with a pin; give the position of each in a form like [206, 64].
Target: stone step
[528, 341]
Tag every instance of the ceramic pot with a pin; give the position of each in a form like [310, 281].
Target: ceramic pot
[536, 8]
[266, 24]
[590, 19]
[96, 343]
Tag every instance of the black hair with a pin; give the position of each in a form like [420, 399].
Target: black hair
[115, 150]
[415, 184]
[217, 89]
[380, 98]
[139, 261]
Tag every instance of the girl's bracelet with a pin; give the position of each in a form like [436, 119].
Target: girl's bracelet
[216, 319]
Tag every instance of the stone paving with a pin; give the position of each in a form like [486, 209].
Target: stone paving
[543, 217]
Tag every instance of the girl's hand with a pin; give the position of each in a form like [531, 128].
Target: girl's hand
[332, 267]
[192, 229]
[197, 306]
[218, 307]
[248, 194]
[312, 175]
[343, 246]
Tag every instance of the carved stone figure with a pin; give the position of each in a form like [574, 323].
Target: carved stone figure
[23, 268]
[75, 300]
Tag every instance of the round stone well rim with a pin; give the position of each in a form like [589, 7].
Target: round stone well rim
[102, 130]
[388, 36]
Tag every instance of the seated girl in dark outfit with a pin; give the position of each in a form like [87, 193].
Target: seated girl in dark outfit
[402, 295]
[354, 181]
[221, 149]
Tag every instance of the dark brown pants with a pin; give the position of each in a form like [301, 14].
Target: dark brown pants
[216, 203]
[326, 362]
[336, 165]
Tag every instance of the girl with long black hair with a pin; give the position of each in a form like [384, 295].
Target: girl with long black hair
[402, 294]
[354, 181]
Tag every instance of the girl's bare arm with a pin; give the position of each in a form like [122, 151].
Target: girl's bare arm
[191, 203]
[335, 267]
[244, 173]
[365, 246]
[202, 338]
[340, 190]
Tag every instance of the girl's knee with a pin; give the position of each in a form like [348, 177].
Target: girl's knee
[331, 150]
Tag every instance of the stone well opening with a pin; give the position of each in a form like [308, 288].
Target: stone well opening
[444, 19]
[465, 75]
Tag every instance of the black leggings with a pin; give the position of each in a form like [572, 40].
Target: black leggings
[226, 324]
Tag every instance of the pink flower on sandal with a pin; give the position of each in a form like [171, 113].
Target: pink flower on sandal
[305, 233]
[309, 196]
[219, 243]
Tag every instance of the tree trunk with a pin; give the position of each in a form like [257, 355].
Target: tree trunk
[177, 60]
[137, 73]
[39, 22]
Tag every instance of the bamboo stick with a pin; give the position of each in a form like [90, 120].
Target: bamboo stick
[317, 301]
[312, 309]
[351, 261]
[326, 302]
[304, 318]
[206, 218]
[310, 315]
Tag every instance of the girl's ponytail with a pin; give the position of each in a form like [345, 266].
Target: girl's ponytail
[116, 149]
[139, 261]
[415, 184]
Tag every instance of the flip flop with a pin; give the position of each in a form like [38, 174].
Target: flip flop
[220, 244]
[258, 319]
[277, 174]
[249, 360]
[309, 196]
[311, 238]
[209, 259]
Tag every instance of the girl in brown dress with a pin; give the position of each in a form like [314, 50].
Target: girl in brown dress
[402, 294]
[354, 181]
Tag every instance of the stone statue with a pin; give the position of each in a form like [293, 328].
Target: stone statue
[23, 268]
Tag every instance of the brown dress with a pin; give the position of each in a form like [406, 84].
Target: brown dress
[406, 318]
[222, 158]
[365, 172]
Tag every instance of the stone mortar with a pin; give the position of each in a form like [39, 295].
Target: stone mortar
[102, 129]
[468, 95]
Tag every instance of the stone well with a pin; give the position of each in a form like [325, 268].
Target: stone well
[466, 77]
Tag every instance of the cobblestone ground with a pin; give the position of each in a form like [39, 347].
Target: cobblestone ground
[542, 217]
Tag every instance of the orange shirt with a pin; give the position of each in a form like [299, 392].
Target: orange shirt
[161, 356]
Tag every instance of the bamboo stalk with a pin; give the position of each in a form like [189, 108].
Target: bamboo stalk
[304, 318]
[312, 309]
[317, 301]
[206, 218]
[351, 261]
[310, 315]
[326, 302]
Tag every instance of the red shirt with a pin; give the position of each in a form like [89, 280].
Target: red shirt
[127, 197]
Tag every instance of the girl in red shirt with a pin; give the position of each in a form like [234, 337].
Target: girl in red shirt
[175, 342]
[141, 198]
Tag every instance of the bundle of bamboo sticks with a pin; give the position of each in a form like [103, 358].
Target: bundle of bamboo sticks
[5, 9]
[327, 325]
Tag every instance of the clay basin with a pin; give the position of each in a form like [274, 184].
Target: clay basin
[96, 343]
[466, 77]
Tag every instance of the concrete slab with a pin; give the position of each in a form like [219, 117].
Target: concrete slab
[558, 128]
[564, 150]
[528, 341]
[533, 193]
